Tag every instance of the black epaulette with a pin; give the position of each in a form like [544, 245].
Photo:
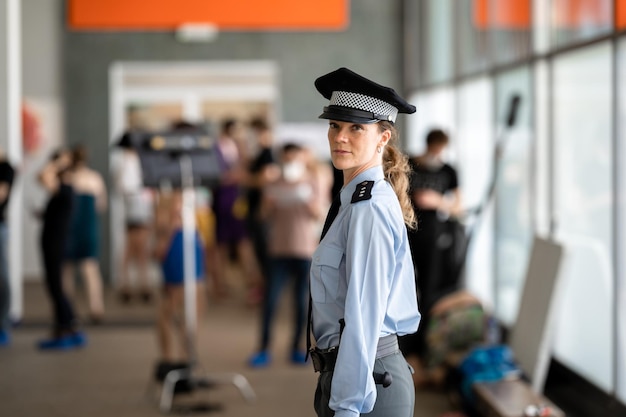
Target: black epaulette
[363, 191]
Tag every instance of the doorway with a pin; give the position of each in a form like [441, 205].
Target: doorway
[154, 95]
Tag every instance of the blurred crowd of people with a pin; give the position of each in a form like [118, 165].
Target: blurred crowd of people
[262, 219]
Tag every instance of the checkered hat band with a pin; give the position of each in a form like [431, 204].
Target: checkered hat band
[362, 102]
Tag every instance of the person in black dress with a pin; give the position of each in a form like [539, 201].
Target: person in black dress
[55, 177]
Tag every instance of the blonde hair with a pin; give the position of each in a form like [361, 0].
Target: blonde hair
[396, 169]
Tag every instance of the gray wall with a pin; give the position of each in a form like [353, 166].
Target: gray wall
[371, 45]
[42, 25]
[42, 28]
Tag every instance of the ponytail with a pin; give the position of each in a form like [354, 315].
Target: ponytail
[396, 169]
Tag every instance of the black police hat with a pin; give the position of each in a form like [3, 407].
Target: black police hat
[356, 99]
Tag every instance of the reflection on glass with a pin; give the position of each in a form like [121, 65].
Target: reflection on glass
[438, 57]
[474, 143]
[541, 169]
[513, 188]
[579, 20]
[583, 210]
[436, 110]
[471, 37]
[621, 296]
[541, 26]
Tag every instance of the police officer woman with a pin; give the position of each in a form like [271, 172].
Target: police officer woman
[362, 279]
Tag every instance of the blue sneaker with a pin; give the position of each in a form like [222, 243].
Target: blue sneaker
[57, 343]
[298, 357]
[5, 338]
[79, 339]
[259, 360]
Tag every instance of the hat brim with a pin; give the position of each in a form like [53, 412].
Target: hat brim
[346, 114]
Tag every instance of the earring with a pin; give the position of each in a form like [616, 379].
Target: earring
[379, 149]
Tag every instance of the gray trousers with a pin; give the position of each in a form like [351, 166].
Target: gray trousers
[397, 400]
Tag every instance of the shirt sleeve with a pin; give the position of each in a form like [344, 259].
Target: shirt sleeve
[454, 179]
[369, 268]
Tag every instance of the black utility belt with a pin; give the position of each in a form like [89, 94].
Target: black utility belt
[324, 359]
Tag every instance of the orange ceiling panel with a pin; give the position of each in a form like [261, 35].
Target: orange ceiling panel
[481, 13]
[620, 14]
[574, 14]
[503, 14]
[226, 15]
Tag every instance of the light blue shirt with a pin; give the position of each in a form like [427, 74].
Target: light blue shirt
[362, 271]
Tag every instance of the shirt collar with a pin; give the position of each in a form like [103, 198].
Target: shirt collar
[370, 174]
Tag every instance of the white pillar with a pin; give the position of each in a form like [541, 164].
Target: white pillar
[11, 138]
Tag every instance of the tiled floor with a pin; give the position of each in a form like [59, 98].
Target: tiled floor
[112, 376]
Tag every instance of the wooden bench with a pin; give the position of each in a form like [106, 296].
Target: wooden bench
[510, 398]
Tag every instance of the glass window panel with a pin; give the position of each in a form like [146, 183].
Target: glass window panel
[541, 26]
[509, 29]
[621, 285]
[583, 208]
[474, 146]
[513, 225]
[472, 37]
[579, 20]
[541, 168]
[438, 19]
[435, 110]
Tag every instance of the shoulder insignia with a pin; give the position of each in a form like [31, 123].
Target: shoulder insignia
[363, 191]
